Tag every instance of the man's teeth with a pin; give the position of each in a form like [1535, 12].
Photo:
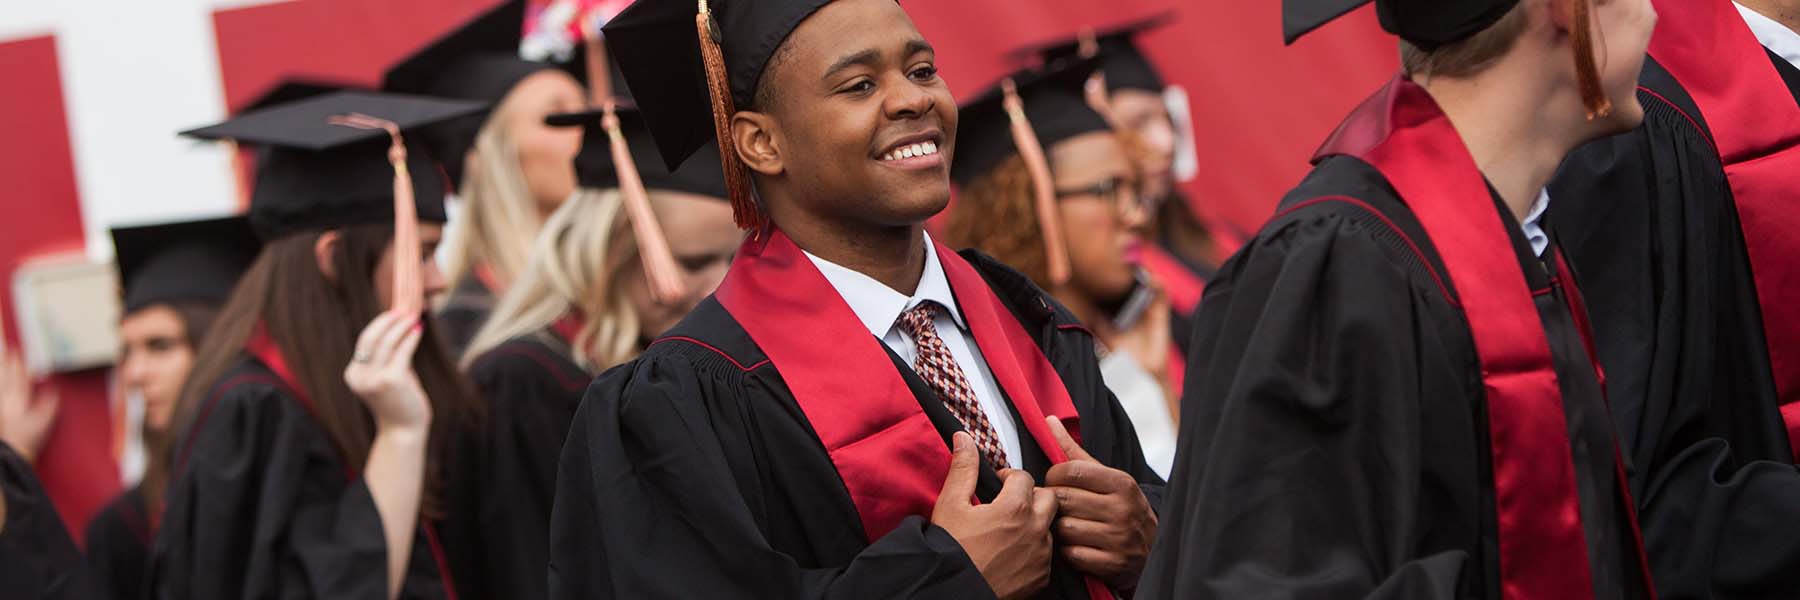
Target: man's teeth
[920, 149]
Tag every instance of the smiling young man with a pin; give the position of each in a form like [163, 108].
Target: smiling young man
[1392, 393]
[793, 437]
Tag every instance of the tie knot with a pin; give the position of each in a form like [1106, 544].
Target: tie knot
[918, 320]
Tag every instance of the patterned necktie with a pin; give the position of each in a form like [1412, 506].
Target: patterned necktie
[938, 368]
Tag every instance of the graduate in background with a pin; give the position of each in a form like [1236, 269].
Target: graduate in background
[1687, 238]
[1392, 394]
[582, 305]
[38, 561]
[313, 442]
[175, 276]
[792, 437]
[1091, 193]
[507, 167]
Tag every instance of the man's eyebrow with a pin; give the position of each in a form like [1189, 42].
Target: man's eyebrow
[866, 57]
[917, 45]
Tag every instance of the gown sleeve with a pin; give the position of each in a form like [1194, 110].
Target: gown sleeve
[646, 508]
[115, 547]
[529, 412]
[262, 509]
[38, 561]
[1665, 273]
[1299, 468]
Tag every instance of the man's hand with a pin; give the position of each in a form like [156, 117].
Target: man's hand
[1009, 539]
[1104, 525]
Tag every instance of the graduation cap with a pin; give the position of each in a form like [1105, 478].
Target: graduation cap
[291, 90]
[691, 64]
[341, 159]
[477, 61]
[1024, 115]
[188, 261]
[1431, 24]
[1123, 64]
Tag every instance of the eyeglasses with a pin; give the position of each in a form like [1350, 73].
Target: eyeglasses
[1121, 192]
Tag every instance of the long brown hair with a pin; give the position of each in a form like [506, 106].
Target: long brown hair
[315, 321]
[196, 320]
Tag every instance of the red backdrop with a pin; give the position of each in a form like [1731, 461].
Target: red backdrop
[1259, 110]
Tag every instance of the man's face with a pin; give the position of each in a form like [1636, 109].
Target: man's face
[864, 125]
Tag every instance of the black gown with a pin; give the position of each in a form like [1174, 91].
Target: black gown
[532, 388]
[687, 476]
[463, 313]
[1333, 439]
[263, 507]
[118, 544]
[38, 561]
[1679, 328]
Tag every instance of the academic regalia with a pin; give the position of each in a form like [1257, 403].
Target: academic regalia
[261, 504]
[191, 262]
[1652, 220]
[38, 561]
[533, 384]
[746, 456]
[1391, 395]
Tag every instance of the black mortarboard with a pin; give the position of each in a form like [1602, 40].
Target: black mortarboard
[291, 90]
[312, 174]
[1427, 24]
[188, 261]
[478, 61]
[657, 48]
[594, 165]
[1126, 67]
[1054, 102]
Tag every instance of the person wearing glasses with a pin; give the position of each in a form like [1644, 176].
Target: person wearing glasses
[1087, 254]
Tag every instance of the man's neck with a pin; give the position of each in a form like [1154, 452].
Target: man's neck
[894, 256]
[1515, 125]
[1785, 12]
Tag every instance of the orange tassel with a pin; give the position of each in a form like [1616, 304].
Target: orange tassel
[1587, 74]
[653, 248]
[1056, 253]
[744, 209]
[409, 282]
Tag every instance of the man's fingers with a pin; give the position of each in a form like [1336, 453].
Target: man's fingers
[1084, 504]
[1015, 489]
[1076, 531]
[1071, 449]
[1089, 475]
[1043, 508]
[1093, 561]
[959, 484]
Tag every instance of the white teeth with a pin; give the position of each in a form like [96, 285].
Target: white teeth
[915, 150]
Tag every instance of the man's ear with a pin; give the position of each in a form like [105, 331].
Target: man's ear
[757, 142]
[325, 250]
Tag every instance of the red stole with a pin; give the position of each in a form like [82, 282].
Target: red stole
[1403, 134]
[892, 461]
[1755, 126]
[263, 348]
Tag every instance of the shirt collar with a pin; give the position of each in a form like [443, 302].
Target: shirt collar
[1534, 226]
[879, 306]
[1784, 42]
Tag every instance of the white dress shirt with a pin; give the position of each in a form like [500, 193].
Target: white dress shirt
[1534, 224]
[879, 308]
[1784, 42]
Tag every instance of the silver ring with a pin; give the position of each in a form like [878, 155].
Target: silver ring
[361, 358]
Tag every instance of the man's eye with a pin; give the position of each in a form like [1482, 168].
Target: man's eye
[925, 73]
[860, 87]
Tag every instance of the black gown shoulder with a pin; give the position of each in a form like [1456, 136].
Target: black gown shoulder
[531, 387]
[262, 506]
[38, 561]
[693, 472]
[118, 544]
[1650, 223]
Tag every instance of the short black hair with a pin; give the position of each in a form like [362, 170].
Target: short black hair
[764, 92]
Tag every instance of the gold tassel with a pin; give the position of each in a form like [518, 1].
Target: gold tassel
[1056, 253]
[744, 209]
[1587, 74]
[409, 282]
[653, 248]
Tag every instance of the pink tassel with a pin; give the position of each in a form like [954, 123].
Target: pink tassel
[653, 248]
[409, 282]
[1056, 253]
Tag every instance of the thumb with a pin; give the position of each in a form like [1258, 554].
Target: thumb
[959, 485]
[1067, 442]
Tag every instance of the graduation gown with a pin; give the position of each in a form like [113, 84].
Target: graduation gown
[38, 561]
[1649, 217]
[263, 507]
[1336, 435]
[532, 388]
[465, 310]
[118, 544]
[696, 471]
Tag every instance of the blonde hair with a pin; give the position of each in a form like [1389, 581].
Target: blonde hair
[500, 217]
[575, 265]
[1469, 56]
